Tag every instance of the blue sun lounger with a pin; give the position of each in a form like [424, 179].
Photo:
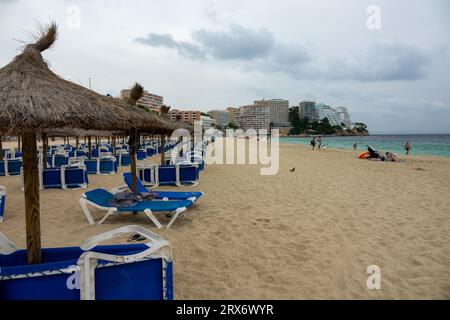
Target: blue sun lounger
[164, 195]
[2, 202]
[101, 199]
[141, 271]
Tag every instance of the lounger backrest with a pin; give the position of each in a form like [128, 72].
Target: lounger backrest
[100, 197]
[14, 167]
[2, 168]
[91, 165]
[51, 178]
[139, 186]
[167, 174]
[188, 173]
[75, 176]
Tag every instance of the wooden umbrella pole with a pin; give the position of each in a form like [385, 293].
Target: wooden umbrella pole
[44, 150]
[18, 143]
[90, 147]
[77, 142]
[31, 186]
[114, 144]
[163, 153]
[133, 145]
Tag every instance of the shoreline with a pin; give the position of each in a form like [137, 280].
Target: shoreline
[358, 151]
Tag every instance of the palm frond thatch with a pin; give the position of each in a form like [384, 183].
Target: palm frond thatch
[32, 97]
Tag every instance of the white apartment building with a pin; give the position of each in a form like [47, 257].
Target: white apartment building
[344, 116]
[279, 111]
[324, 111]
[254, 117]
[151, 101]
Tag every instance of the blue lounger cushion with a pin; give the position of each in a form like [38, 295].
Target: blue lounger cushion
[103, 198]
[171, 195]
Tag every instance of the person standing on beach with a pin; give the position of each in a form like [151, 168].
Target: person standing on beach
[313, 143]
[407, 147]
[319, 142]
[355, 145]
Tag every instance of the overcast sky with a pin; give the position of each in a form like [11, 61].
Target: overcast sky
[207, 55]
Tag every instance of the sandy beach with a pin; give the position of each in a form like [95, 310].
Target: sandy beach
[307, 234]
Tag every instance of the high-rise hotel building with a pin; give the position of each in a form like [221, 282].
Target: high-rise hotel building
[278, 110]
[254, 117]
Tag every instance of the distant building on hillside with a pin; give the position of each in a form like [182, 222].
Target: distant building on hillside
[344, 116]
[149, 100]
[324, 111]
[307, 109]
[254, 117]
[185, 116]
[222, 117]
[278, 111]
[235, 117]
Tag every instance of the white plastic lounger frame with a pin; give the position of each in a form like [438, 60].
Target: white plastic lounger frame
[6, 246]
[2, 194]
[87, 263]
[113, 210]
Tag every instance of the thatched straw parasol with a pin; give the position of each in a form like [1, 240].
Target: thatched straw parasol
[33, 98]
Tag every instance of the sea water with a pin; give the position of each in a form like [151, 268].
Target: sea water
[421, 144]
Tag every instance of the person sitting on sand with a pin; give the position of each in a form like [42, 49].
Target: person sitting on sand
[391, 156]
[313, 143]
[372, 152]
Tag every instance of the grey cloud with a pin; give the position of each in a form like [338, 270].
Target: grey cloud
[237, 43]
[260, 52]
[257, 48]
[383, 62]
[185, 49]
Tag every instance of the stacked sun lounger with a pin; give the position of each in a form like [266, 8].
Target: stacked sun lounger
[64, 177]
[169, 175]
[91, 271]
[10, 167]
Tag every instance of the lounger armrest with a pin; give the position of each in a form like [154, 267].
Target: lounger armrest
[6, 246]
[155, 240]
